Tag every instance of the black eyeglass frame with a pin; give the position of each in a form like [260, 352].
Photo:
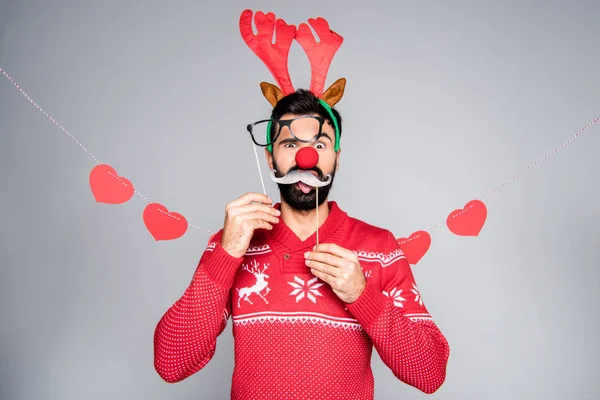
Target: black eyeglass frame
[282, 123]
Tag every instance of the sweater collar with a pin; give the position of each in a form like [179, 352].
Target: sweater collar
[289, 239]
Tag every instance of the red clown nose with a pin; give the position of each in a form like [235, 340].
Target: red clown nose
[307, 158]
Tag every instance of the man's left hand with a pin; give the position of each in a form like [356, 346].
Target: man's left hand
[339, 268]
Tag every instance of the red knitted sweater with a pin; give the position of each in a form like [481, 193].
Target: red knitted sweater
[293, 337]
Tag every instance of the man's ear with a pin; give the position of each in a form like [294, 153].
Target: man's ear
[337, 159]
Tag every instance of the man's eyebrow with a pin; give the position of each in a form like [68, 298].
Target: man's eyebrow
[294, 140]
[326, 135]
[288, 140]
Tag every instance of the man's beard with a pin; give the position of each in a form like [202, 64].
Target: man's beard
[296, 198]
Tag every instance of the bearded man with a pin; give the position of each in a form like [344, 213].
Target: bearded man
[311, 290]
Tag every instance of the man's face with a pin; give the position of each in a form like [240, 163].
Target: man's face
[283, 160]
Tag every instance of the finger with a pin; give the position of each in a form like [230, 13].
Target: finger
[323, 268]
[258, 215]
[254, 207]
[249, 198]
[330, 280]
[258, 224]
[327, 258]
[336, 250]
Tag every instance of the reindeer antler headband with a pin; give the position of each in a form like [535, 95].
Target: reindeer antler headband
[275, 56]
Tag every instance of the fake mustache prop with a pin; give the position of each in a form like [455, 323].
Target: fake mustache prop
[301, 176]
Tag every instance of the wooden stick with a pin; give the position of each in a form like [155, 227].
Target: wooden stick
[317, 192]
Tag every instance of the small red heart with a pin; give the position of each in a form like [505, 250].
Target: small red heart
[108, 187]
[469, 220]
[162, 224]
[415, 247]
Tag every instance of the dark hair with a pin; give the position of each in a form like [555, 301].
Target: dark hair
[303, 102]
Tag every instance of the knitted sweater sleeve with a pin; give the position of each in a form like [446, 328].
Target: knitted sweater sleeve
[403, 332]
[186, 335]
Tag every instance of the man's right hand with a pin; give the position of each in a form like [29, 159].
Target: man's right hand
[242, 217]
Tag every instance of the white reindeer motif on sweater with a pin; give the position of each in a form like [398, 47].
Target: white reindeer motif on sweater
[260, 285]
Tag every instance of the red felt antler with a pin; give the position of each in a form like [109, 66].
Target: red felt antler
[275, 56]
[319, 54]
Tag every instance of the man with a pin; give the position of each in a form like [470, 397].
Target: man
[306, 317]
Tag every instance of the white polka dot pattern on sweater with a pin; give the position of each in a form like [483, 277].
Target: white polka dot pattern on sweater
[415, 350]
[185, 338]
[301, 360]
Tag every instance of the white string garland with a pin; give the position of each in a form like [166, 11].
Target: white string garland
[504, 184]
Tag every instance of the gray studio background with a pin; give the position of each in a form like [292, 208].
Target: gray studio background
[445, 101]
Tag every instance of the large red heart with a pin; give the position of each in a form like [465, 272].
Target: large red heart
[415, 247]
[108, 187]
[469, 220]
[162, 224]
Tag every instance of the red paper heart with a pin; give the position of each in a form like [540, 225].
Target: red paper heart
[108, 187]
[162, 224]
[415, 247]
[469, 220]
